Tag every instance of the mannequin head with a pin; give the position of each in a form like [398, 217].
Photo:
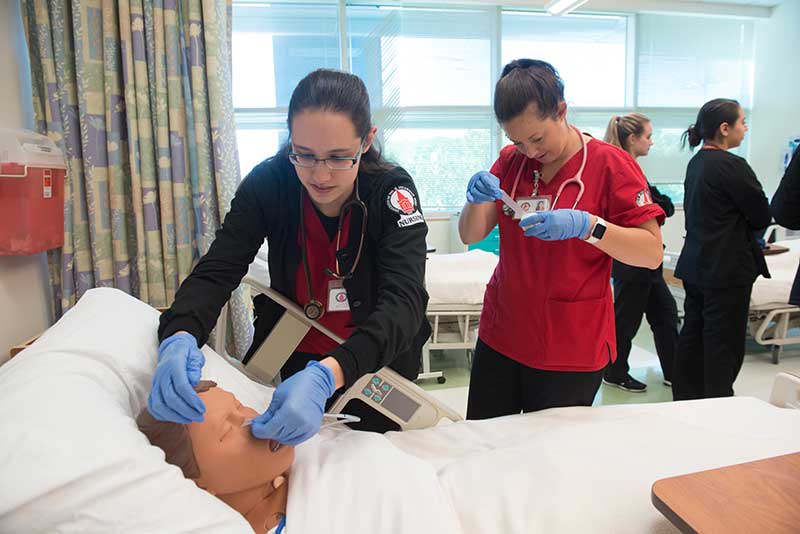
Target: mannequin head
[219, 454]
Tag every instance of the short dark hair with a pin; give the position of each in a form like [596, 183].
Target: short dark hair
[341, 92]
[525, 82]
[709, 118]
[173, 438]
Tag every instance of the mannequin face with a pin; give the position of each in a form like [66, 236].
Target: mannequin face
[229, 457]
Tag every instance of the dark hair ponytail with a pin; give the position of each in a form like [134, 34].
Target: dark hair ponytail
[525, 82]
[340, 92]
[709, 118]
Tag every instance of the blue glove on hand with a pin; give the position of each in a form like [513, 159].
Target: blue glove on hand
[295, 413]
[483, 187]
[556, 225]
[172, 396]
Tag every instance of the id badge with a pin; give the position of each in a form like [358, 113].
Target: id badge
[337, 296]
[533, 204]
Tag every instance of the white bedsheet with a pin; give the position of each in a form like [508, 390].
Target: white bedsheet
[782, 268]
[569, 470]
[73, 460]
[459, 278]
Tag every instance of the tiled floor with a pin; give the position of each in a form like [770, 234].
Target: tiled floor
[755, 378]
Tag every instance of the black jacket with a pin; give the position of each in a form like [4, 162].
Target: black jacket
[623, 271]
[786, 210]
[724, 204]
[786, 201]
[386, 293]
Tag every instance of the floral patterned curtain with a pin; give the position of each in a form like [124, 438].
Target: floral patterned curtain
[137, 93]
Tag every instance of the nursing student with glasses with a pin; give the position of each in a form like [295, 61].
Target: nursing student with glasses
[547, 326]
[346, 243]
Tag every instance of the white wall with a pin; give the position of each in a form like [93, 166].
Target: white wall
[776, 106]
[24, 289]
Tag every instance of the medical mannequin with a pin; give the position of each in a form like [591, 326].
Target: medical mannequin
[223, 458]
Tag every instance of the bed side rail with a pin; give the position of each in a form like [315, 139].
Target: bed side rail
[785, 391]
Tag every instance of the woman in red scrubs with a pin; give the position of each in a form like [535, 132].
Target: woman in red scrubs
[547, 328]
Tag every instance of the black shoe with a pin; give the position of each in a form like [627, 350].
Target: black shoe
[628, 384]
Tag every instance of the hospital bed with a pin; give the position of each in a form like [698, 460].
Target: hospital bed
[455, 284]
[770, 317]
[74, 461]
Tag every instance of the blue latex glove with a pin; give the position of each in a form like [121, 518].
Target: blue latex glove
[483, 187]
[556, 225]
[172, 396]
[295, 413]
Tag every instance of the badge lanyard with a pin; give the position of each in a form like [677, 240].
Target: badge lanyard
[577, 180]
[313, 309]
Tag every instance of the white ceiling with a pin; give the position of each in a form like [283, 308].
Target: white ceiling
[743, 8]
[762, 3]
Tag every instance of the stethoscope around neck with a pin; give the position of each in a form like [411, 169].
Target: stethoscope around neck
[314, 309]
[577, 179]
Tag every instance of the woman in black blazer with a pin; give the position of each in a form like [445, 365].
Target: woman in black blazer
[724, 205]
[786, 210]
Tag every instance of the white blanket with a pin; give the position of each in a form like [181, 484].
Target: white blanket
[782, 269]
[571, 470]
[459, 278]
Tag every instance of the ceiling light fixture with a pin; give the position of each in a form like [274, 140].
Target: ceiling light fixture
[562, 7]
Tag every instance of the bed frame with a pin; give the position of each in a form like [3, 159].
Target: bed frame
[768, 324]
[453, 326]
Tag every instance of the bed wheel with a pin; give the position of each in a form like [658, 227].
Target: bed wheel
[441, 379]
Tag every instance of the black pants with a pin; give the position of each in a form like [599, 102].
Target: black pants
[711, 342]
[632, 300]
[501, 386]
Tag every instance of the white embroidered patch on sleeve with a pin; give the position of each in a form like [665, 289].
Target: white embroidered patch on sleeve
[402, 201]
[643, 198]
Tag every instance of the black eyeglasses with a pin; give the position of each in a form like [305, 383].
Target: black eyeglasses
[307, 161]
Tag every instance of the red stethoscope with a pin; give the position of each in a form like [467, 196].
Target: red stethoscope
[574, 180]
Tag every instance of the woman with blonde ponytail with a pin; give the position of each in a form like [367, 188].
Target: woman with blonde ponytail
[639, 291]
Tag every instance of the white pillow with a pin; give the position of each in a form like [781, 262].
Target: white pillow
[73, 458]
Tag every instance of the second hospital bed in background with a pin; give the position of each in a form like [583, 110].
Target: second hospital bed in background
[771, 319]
[455, 284]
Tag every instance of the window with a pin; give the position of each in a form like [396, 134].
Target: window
[588, 51]
[441, 160]
[687, 61]
[430, 73]
[274, 47]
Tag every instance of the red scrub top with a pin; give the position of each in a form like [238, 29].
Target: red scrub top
[321, 252]
[549, 304]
